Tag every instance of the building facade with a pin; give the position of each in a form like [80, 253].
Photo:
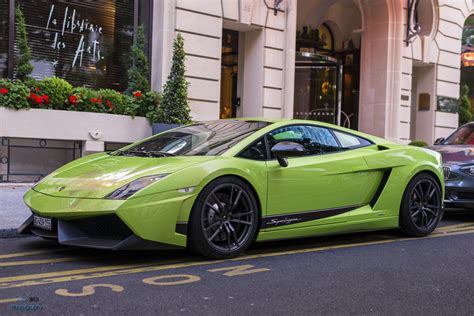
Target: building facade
[386, 67]
[362, 64]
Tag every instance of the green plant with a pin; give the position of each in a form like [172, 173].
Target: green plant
[464, 110]
[139, 71]
[118, 103]
[58, 91]
[174, 108]
[84, 99]
[24, 67]
[14, 95]
[418, 143]
[58, 94]
[101, 101]
[147, 104]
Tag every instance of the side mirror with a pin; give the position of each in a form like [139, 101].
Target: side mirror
[439, 141]
[284, 150]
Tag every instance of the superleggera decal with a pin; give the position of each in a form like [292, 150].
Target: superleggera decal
[288, 219]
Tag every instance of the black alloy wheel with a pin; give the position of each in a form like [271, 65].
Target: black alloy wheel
[421, 208]
[224, 219]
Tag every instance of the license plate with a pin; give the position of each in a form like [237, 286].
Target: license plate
[42, 222]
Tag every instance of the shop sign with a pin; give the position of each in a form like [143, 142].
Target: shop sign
[87, 34]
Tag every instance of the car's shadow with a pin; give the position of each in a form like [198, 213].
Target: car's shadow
[105, 257]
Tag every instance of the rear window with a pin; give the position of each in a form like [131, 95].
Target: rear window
[350, 141]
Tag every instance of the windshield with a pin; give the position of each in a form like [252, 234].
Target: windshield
[463, 136]
[210, 139]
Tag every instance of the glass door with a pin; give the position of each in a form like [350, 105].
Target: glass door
[317, 93]
[229, 74]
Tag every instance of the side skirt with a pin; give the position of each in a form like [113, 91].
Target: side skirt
[330, 229]
[296, 218]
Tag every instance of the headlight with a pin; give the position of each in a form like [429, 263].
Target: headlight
[468, 169]
[133, 187]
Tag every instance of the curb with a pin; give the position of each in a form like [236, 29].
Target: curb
[15, 185]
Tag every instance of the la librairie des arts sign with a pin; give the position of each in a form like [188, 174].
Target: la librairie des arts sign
[68, 22]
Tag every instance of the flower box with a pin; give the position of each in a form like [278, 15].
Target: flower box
[71, 125]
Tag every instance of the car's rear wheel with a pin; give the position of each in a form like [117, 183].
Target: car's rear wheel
[224, 219]
[421, 208]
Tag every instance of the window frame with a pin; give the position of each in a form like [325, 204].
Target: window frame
[265, 143]
[330, 129]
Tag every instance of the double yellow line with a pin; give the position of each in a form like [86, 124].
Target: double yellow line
[110, 271]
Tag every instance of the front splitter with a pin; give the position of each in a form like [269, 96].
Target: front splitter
[69, 234]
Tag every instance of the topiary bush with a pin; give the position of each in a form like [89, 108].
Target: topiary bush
[418, 143]
[174, 108]
[139, 71]
[58, 91]
[14, 95]
[24, 67]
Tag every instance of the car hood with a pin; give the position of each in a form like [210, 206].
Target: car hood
[101, 175]
[455, 154]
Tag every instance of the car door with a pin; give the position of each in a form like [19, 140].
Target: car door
[318, 188]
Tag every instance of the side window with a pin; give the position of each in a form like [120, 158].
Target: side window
[349, 141]
[316, 140]
[256, 151]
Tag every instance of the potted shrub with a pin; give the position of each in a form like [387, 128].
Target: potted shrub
[174, 109]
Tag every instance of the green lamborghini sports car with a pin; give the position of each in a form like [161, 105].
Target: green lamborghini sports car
[218, 186]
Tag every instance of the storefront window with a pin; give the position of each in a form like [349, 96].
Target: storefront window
[3, 38]
[85, 42]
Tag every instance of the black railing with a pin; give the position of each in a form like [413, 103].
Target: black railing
[9, 147]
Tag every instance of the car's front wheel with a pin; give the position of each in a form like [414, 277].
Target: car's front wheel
[421, 208]
[224, 219]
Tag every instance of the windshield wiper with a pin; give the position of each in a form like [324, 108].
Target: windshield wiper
[160, 153]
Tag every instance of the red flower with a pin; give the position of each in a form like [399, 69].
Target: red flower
[93, 100]
[37, 89]
[38, 99]
[137, 94]
[3, 91]
[109, 104]
[32, 96]
[46, 99]
[72, 99]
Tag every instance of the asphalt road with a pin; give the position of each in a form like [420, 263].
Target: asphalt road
[370, 273]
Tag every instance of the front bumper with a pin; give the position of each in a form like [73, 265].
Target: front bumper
[101, 232]
[459, 190]
[149, 219]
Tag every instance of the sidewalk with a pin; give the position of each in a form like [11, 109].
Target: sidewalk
[13, 212]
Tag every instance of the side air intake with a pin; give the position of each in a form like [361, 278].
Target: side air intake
[383, 183]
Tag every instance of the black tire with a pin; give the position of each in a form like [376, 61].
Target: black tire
[224, 219]
[421, 208]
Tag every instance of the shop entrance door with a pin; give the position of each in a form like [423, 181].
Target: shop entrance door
[229, 74]
[318, 88]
